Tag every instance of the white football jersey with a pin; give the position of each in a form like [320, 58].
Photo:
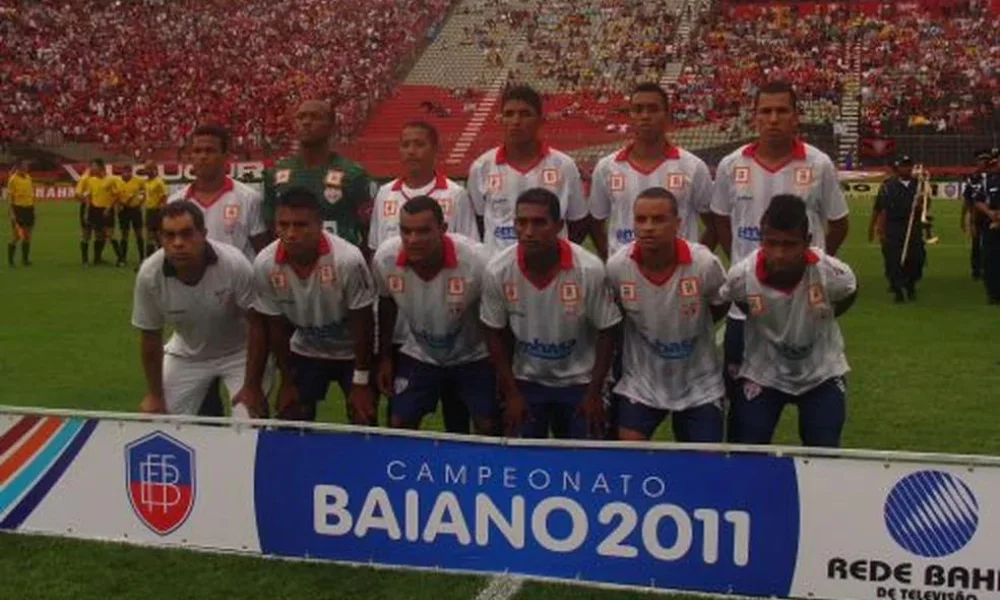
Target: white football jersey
[319, 303]
[391, 197]
[669, 358]
[207, 317]
[554, 326]
[442, 315]
[793, 342]
[232, 217]
[494, 186]
[617, 182]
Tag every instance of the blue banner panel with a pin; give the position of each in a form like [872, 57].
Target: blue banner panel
[684, 520]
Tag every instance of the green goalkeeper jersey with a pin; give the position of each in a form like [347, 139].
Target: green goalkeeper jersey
[342, 186]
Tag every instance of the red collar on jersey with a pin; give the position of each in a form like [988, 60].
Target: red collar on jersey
[798, 153]
[447, 248]
[281, 255]
[670, 152]
[811, 259]
[565, 263]
[543, 151]
[227, 186]
[440, 182]
[682, 252]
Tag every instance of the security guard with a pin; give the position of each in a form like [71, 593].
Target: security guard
[988, 205]
[895, 206]
[973, 222]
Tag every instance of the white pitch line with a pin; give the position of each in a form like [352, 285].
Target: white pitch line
[501, 587]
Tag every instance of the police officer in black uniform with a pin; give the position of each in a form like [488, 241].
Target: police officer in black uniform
[973, 222]
[987, 203]
[895, 204]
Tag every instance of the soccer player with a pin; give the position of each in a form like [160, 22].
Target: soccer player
[434, 280]
[130, 213]
[792, 294]
[668, 289]
[155, 192]
[99, 192]
[649, 161]
[342, 184]
[522, 162]
[418, 146]
[203, 289]
[318, 283]
[232, 209]
[746, 180]
[553, 296]
[21, 195]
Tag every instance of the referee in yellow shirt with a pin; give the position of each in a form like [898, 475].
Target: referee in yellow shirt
[99, 192]
[21, 192]
[155, 190]
[130, 213]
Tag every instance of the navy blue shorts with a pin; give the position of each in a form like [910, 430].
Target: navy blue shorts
[701, 423]
[312, 377]
[555, 408]
[822, 412]
[418, 386]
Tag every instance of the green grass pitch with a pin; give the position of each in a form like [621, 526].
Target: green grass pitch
[926, 376]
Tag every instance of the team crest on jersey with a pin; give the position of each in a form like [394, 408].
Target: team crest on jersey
[510, 291]
[741, 175]
[231, 212]
[334, 192]
[282, 176]
[446, 205]
[689, 287]
[756, 304]
[396, 284]
[278, 279]
[627, 291]
[456, 286]
[326, 274]
[569, 293]
[617, 182]
[803, 176]
[494, 182]
[815, 294]
[550, 176]
[675, 181]
[390, 208]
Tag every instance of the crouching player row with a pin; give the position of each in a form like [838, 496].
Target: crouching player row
[527, 339]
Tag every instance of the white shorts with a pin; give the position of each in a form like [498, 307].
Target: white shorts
[186, 380]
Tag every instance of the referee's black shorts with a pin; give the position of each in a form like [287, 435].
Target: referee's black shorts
[152, 218]
[24, 216]
[130, 217]
[99, 218]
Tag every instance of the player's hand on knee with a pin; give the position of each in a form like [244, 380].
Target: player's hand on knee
[153, 404]
[288, 399]
[592, 409]
[515, 412]
[252, 399]
[386, 375]
[362, 400]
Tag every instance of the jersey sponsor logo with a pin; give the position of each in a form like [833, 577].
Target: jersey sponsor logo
[231, 212]
[390, 208]
[569, 292]
[327, 274]
[160, 480]
[456, 286]
[494, 182]
[749, 233]
[793, 351]
[335, 330]
[510, 291]
[282, 176]
[688, 287]
[396, 284]
[756, 304]
[815, 294]
[671, 350]
[537, 348]
[675, 181]
[278, 279]
[434, 341]
[741, 175]
[505, 232]
[744, 198]
[616, 182]
[803, 176]
[550, 176]
[628, 291]
[624, 236]
[690, 309]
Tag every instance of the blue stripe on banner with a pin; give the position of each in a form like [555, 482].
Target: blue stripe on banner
[49, 480]
[39, 464]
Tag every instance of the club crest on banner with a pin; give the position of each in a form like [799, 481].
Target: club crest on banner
[160, 481]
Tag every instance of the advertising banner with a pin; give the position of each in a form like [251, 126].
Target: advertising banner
[751, 521]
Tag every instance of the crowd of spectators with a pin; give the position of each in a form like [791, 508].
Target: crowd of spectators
[142, 73]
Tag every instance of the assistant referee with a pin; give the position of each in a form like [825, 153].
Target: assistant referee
[21, 192]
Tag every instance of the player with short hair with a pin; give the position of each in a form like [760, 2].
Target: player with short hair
[522, 162]
[319, 284]
[746, 180]
[434, 280]
[418, 147]
[155, 193]
[203, 289]
[553, 297]
[21, 195]
[668, 289]
[650, 160]
[99, 192]
[130, 213]
[792, 294]
[343, 186]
